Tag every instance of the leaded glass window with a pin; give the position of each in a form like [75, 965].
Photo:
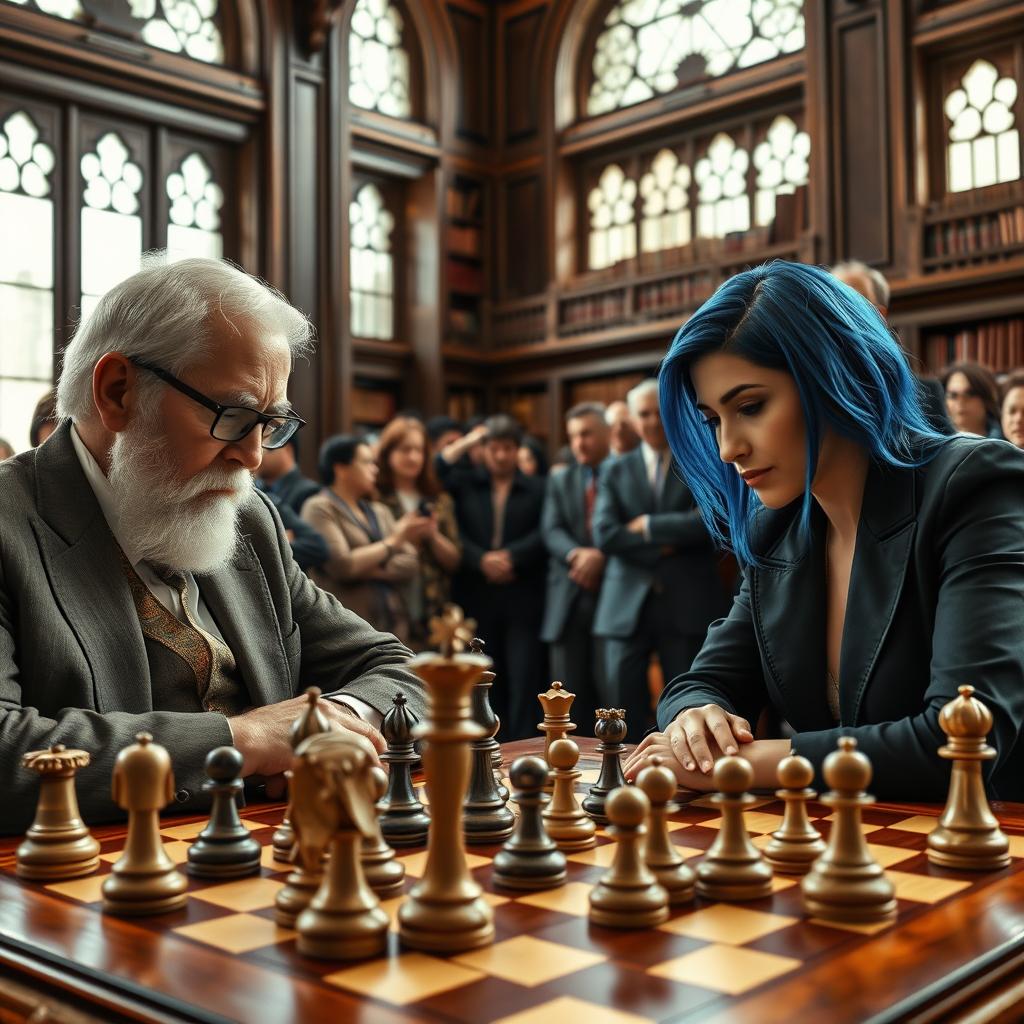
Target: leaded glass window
[379, 75]
[666, 212]
[26, 274]
[612, 218]
[649, 47]
[781, 162]
[983, 141]
[195, 213]
[723, 204]
[68, 9]
[371, 271]
[111, 221]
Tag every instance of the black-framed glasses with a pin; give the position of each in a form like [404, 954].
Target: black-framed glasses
[232, 422]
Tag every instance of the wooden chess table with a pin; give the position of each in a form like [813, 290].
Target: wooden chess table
[955, 951]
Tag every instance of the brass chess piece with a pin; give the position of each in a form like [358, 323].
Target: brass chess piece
[797, 843]
[310, 721]
[733, 868]
[335, 785]
[144, 880]
[968, 836]
[661, 854]
[628, 895]
[846, 884]
[446, 911]
[58, 843]
[566, 822]
[556, 703]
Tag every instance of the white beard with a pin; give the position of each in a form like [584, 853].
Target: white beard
[175, 524]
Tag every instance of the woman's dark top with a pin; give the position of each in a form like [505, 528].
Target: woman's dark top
[936, 600]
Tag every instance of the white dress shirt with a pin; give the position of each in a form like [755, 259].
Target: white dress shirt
[163, 592]
[657, 466]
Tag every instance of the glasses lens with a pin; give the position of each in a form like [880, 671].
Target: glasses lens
[277, 432]
[234, 423]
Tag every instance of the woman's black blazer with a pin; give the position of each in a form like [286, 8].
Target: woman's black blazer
[936, 600]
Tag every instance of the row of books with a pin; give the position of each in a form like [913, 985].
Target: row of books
[463, 321]
[980, 232]
[465, 202]
[463, 241]
[673, 293]
[465, 278]
[604, 307]
[998, 344]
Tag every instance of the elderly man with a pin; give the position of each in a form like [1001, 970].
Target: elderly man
[144, 583]
[623, 437]
[661, 589]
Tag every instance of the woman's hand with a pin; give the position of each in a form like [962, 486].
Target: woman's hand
[698, 735]
[411, 528]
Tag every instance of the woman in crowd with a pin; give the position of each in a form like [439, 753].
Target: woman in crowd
[1013, 409]
[408, 486]
[370, 553]
[972, 398]
[883, 563]
[531, 457]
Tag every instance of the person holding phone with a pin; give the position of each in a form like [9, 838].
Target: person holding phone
[407, 484]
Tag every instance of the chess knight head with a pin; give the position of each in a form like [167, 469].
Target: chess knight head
[335, 784]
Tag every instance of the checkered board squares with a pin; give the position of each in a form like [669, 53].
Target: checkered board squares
[549, 964]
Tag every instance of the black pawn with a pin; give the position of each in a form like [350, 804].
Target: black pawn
[611, 731]
[483, 713]
[530, 859]
[403, 820]
[224, 849]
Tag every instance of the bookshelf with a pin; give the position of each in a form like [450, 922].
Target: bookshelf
[464, 257]
[374, 404]
[529, 404]
[462, 403]
[997, 343]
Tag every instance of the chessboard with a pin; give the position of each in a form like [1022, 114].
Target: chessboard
[222, 957]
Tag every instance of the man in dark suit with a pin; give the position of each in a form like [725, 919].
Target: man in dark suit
[576, 565]
[282, 478]
[661, 589]
[500, 582]
[145, 585]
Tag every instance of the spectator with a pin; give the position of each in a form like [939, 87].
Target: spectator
[531, 457]
[442, 430]
[972, 397]
[308, 548]
[368, 552]
[407, 484]
[44, 419]
[661, 589]
[6, 450]
[283, 479]
[501, 579]
[576, 565]
[1013, 409]
[623, 437]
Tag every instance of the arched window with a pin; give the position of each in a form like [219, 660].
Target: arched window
[379, 74]
[612, 219]
[780, 160]
[26, 273]
[371, 271]
[178, 26]
[649, 47]
[723, 203]
[195, 211]
[984, 144]
[666, 211]
[111, 220]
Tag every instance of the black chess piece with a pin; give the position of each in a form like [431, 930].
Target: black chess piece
[485, 816]
[403, 821]
[224, 849]
[529, 859]
[611, 731]
[483, 713]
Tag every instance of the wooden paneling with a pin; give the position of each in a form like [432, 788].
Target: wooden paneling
[471, 33]
[524, 237]
[521, 82]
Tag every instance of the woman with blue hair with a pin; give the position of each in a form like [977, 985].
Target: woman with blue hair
[883, 563]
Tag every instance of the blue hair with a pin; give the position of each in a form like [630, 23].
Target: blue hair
[850, 373]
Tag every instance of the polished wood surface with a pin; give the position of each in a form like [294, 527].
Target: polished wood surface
[963, 954]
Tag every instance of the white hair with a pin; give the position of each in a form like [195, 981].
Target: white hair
[645, 387]
[879, 285]
[163, 314]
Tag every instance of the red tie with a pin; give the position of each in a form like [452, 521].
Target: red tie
[589, 497]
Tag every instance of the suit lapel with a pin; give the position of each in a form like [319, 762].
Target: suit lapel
[885, 538]
[642, 484]
[239, 599]
[82, 563]
[672, 491]
[576, 498]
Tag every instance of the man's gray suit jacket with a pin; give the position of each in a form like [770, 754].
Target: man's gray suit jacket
[73, 665]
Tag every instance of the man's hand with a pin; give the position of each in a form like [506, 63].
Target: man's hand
[497, 567]
[637, 525]
[262, 734]
[586, 566]
[698, 736]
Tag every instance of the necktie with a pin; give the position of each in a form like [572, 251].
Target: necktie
[211, 661]
[589, 497]
[658, 478]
